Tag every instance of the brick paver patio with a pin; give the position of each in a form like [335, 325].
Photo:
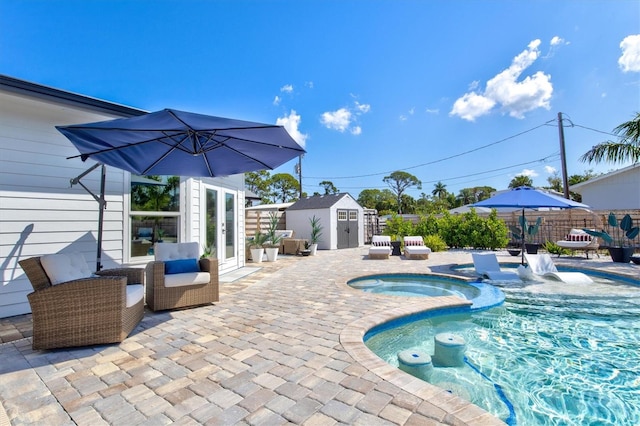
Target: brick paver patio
[283, 346]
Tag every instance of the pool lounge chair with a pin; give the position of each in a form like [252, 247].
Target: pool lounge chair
[542, 265]
[487, 265]
[380, 247]
[414, 248]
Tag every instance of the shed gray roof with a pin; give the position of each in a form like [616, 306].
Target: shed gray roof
[318, 202]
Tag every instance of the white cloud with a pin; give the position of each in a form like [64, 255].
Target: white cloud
[403, 117]
[345, 118]
[362, 108]
[412, 111]
[277, 100]
[514, 97]
[339, 120]
[528, 172]
[630, 59]
[556, 41]
[550, 169]
[291, 124]
[287, 88]
[432, 111]
[309, 84]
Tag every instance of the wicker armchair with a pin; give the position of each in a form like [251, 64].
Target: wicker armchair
[179, 290]
[85, 311]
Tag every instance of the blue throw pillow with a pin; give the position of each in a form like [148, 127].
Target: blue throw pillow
[181, 266]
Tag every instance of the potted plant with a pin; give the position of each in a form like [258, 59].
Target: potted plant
[529, 232]
[256, 246]
[209, 251]
[306, 251]
[272, 243]
[622, 230]
[316, 233]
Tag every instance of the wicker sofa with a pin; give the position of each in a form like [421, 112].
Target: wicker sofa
[180, 287]
[85, 310]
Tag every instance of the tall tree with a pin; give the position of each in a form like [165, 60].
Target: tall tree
[399, 182]
[329, 188]
[284, 187]
[520, 180]
[381, 200]
[439, 190]
[258, 182]
[627, 148]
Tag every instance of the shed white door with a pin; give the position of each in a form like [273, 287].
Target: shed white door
[347, 228]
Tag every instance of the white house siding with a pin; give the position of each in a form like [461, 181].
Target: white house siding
[39, 212]
[618, 191]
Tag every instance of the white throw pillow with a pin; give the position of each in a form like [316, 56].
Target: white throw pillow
[61, 268]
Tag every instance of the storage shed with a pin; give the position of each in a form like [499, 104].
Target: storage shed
[341, 218]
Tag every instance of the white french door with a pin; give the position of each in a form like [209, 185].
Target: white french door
[220, 227]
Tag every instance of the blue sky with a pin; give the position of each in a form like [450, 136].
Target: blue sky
[463, 92]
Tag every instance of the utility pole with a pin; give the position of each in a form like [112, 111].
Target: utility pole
[563, 158]
[298, 169]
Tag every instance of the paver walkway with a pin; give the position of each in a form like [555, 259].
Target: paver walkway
[283, 346]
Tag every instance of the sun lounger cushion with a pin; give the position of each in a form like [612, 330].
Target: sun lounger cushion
[414, 248]
[135, 293]
[380, 247]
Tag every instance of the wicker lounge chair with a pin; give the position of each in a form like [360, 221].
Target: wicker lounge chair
[83, 310]
[380, 247]
[414, 248]
[177, 279]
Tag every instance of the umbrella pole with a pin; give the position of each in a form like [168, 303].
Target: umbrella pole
[102, 203]
[523, 244]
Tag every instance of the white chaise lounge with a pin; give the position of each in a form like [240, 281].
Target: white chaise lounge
[577, 239]
[542, 265]
[414, 248]
[487, 265]
[380, 247]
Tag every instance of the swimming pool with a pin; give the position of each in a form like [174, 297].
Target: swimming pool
[481, 295]
[543, 358]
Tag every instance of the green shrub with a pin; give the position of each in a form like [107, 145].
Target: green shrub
[553, 248]
[434, 242]
[471, 230]
[398, 227]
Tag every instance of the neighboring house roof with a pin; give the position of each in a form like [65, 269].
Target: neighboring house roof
[250, 195]
[23, 87]
[578, 186]
[317, 202]
[274, 207]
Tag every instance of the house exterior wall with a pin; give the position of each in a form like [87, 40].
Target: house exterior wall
[619, 191]
[40, 213]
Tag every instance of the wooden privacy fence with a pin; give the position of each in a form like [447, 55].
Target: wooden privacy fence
[555, 223]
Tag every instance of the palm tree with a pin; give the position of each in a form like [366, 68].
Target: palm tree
[627, 148]
[520, 180]
[439, 190]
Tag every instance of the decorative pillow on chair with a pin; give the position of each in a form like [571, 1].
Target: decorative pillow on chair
[61, 268]
[181, 266]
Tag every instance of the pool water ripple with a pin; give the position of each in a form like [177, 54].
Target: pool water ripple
[560, 359]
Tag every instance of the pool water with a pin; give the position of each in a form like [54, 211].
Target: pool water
[480, 294]
[540, 358]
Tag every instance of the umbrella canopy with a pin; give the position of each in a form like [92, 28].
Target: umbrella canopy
[172, 142]
[525, 197]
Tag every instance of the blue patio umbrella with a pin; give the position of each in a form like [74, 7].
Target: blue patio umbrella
[525, 197]
[172, 142]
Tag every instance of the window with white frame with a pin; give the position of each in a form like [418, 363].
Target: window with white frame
[154, 212]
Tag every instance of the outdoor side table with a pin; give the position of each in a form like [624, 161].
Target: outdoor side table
[395, 248]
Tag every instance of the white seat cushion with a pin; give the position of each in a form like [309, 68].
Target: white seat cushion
[61, 268]
[135, 293]
[188, 278]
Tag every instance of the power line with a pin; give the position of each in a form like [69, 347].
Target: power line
[434, 161]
